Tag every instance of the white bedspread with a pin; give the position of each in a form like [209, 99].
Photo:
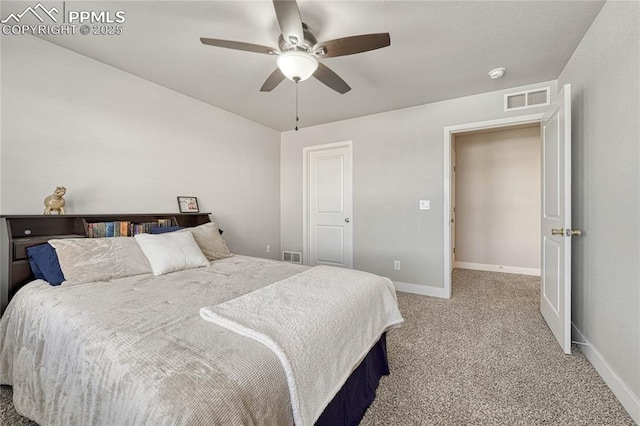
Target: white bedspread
[320, 324]
[134, 351]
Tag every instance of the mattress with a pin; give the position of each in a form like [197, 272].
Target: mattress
[135, 351]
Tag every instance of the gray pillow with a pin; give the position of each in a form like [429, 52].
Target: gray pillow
[84, 260]
[211, 243]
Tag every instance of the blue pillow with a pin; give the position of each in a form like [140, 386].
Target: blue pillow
[165, 229]
[44, 263]
[37, 273]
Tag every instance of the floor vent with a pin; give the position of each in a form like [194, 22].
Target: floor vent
[292, 256]
[529, 99]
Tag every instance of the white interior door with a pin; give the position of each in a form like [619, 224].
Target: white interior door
[555, 291]
[330, 207]
[452, 222]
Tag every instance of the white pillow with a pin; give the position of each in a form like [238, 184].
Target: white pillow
[171, 252]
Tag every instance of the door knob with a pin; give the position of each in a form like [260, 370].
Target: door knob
[347, 220]
[453, 220]
[567, 232]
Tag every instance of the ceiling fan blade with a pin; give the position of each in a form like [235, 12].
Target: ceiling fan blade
[272, 81]
[238, 45]
[331, 79]
[355, 44]
[289, 20]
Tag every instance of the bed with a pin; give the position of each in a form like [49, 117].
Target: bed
[137, 350]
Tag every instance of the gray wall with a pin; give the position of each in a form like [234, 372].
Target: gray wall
[397, 161]
[604, 74]
[121, 144]
[498, 199]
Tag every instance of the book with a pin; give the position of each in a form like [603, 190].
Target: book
[101, 230]
[90, 228]
[124, 229]
[108, 229]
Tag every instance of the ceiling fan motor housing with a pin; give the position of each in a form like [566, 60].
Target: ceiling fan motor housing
[307, 44]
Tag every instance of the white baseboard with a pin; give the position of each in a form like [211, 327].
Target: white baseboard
[627, 398]
[498, 268]
[424, 290]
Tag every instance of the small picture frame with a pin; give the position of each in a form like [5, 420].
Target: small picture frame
[188, 205]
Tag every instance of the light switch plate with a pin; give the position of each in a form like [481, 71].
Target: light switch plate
[424, 205]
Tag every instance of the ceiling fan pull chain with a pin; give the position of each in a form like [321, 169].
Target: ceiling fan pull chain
[297, 119]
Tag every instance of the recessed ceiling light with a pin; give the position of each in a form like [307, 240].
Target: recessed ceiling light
[497, 73]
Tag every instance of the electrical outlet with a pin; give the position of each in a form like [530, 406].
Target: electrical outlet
[396, 265]
[425, 205]
[268, 248]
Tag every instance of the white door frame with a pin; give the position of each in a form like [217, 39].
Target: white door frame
[449, 131]
[306, 151]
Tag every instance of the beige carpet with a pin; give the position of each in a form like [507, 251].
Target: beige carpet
[485, 357]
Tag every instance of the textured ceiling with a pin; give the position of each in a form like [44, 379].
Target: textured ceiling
[439, 50]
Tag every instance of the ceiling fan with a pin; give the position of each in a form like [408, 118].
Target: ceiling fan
[297, 58]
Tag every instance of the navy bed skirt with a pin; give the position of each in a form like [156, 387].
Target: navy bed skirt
[359, 391]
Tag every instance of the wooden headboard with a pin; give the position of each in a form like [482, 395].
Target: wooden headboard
[20, 232]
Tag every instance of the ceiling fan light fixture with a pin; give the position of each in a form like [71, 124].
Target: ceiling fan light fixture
[296, 64]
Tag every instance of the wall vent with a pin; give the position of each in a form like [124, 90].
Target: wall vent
[528, 99]
[292, 256]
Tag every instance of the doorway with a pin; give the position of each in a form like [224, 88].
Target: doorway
[449, 133]
[496, 196]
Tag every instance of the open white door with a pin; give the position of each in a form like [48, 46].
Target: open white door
[555, 291]
[452, 221]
